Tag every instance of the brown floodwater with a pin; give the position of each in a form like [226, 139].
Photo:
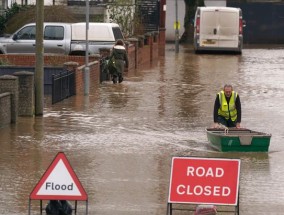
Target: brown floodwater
[121, 138]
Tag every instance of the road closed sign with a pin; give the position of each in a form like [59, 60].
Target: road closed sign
[59, 182]
[204, 181]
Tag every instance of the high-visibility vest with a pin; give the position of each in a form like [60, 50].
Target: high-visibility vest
[225, 110]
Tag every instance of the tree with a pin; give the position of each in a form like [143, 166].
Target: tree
[190, 9]
[122, 12]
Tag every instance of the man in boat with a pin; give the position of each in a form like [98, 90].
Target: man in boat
[227, 108]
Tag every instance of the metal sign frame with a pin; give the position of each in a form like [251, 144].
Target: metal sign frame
[73, 209]
[170, 208]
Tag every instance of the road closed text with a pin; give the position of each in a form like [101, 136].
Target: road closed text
[200, 190]
[208, 173]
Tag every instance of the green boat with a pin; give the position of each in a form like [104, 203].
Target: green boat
[238, 140]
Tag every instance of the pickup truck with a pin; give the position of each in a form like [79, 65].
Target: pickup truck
[62, 38]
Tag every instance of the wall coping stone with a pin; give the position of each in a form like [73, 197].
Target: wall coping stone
[132, 39]
[71, 63]
[4, 94]
[8, 77]
[27, 73]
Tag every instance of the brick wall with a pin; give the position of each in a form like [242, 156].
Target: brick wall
[94, 68]
[144, 55]
[49, 60]
[131, 57]
[155, 49]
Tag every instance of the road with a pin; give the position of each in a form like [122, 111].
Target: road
[121, 138]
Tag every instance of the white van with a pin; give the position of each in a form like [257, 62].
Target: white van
[218, 29]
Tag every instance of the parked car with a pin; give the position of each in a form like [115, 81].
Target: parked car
[218, 29]
[62, 38]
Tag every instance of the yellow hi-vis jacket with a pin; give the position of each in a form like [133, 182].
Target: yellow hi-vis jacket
[225, 110]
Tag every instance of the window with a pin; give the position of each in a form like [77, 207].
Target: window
[54, 33]
[27, 33]
[117, 33]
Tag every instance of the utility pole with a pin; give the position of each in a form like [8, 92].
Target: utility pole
[39, 90]
[87, 69]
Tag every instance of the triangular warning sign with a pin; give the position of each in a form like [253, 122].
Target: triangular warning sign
[59, 182]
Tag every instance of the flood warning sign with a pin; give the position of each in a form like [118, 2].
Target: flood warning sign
[59, 182]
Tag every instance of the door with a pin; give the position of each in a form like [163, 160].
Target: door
[23, 42]
[228, 29]
[54, 41]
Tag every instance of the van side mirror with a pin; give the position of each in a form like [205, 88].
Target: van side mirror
[15, 37]
[244, 23]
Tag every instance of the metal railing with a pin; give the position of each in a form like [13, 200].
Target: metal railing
[63, 86]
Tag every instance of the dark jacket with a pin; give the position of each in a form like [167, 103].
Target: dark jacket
[121, 58]
[238, 107]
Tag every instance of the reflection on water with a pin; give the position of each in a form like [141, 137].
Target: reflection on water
[121, 138]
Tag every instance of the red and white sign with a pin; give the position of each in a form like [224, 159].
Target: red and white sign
[204, 181]
[59, 182]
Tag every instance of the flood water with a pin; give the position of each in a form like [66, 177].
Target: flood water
[121, 138]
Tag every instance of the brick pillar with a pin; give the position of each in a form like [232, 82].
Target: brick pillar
[149, 38]
[156, 36]
[135, 42]
[5, 109]
[10, 83]
[162, 29]
[71, 66]
[155, 45]
[26, 93]
[141, 40]
[162, 42]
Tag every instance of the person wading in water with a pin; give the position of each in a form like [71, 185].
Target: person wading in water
[121, 61]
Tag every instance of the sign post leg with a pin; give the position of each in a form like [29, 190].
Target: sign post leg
[40, 206]
[238, 204]
[237, 210]
[87, 207]
[29, 206]
[75, 207]
[169, 209]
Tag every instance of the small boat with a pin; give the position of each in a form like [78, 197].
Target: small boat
[238, 140]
